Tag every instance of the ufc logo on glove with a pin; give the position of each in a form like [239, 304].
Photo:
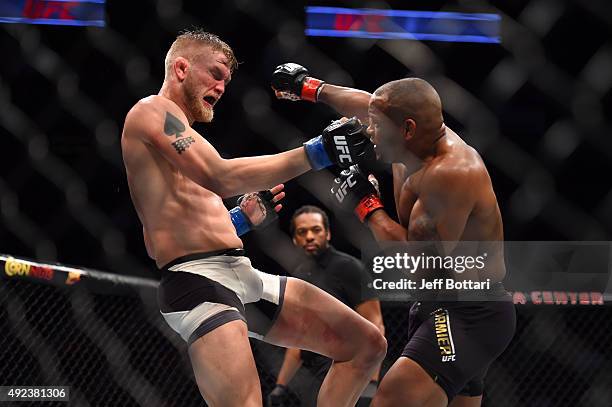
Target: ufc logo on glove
[342, 147]
[348, 183]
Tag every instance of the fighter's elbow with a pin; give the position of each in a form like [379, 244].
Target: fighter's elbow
[221, 188]
[220, 180]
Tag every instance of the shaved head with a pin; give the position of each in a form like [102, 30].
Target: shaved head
[410, 98]
[405, 119]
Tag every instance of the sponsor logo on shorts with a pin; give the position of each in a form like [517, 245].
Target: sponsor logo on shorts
[13, 267]
[444, 335]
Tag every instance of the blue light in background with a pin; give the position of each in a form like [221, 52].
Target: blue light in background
[403, 24]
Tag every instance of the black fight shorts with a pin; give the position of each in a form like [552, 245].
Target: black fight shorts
[456, 342]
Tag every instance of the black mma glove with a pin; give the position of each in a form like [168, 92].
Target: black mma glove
[255, 210]
[353, 191]
[291, 81]
[343, 143]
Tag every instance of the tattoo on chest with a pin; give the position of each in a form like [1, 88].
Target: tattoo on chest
[174, 127]
[423, 228]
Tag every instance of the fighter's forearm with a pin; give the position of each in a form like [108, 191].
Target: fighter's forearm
[346, 101]
[384, 228]
[291, 363]
[242, 175]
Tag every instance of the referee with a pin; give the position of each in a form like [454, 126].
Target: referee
[340, 275]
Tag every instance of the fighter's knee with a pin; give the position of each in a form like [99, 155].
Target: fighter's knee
[373, 347]
[379, 346]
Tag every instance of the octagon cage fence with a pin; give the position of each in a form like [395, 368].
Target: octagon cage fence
[102, 335]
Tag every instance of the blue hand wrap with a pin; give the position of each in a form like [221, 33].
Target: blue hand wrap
[316, 153]
[240, 221]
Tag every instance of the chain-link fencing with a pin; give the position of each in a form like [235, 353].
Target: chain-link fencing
[112, 347]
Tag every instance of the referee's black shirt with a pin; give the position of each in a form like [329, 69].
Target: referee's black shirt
[339, 274]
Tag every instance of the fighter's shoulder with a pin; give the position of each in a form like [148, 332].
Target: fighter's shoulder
[150, 113]
[449, 168]
[454, 172]
[461, 163]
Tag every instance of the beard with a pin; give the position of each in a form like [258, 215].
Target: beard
[198, 110]
[320, 248]
[313, 253]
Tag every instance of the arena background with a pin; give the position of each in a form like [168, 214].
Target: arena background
[537, 107]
